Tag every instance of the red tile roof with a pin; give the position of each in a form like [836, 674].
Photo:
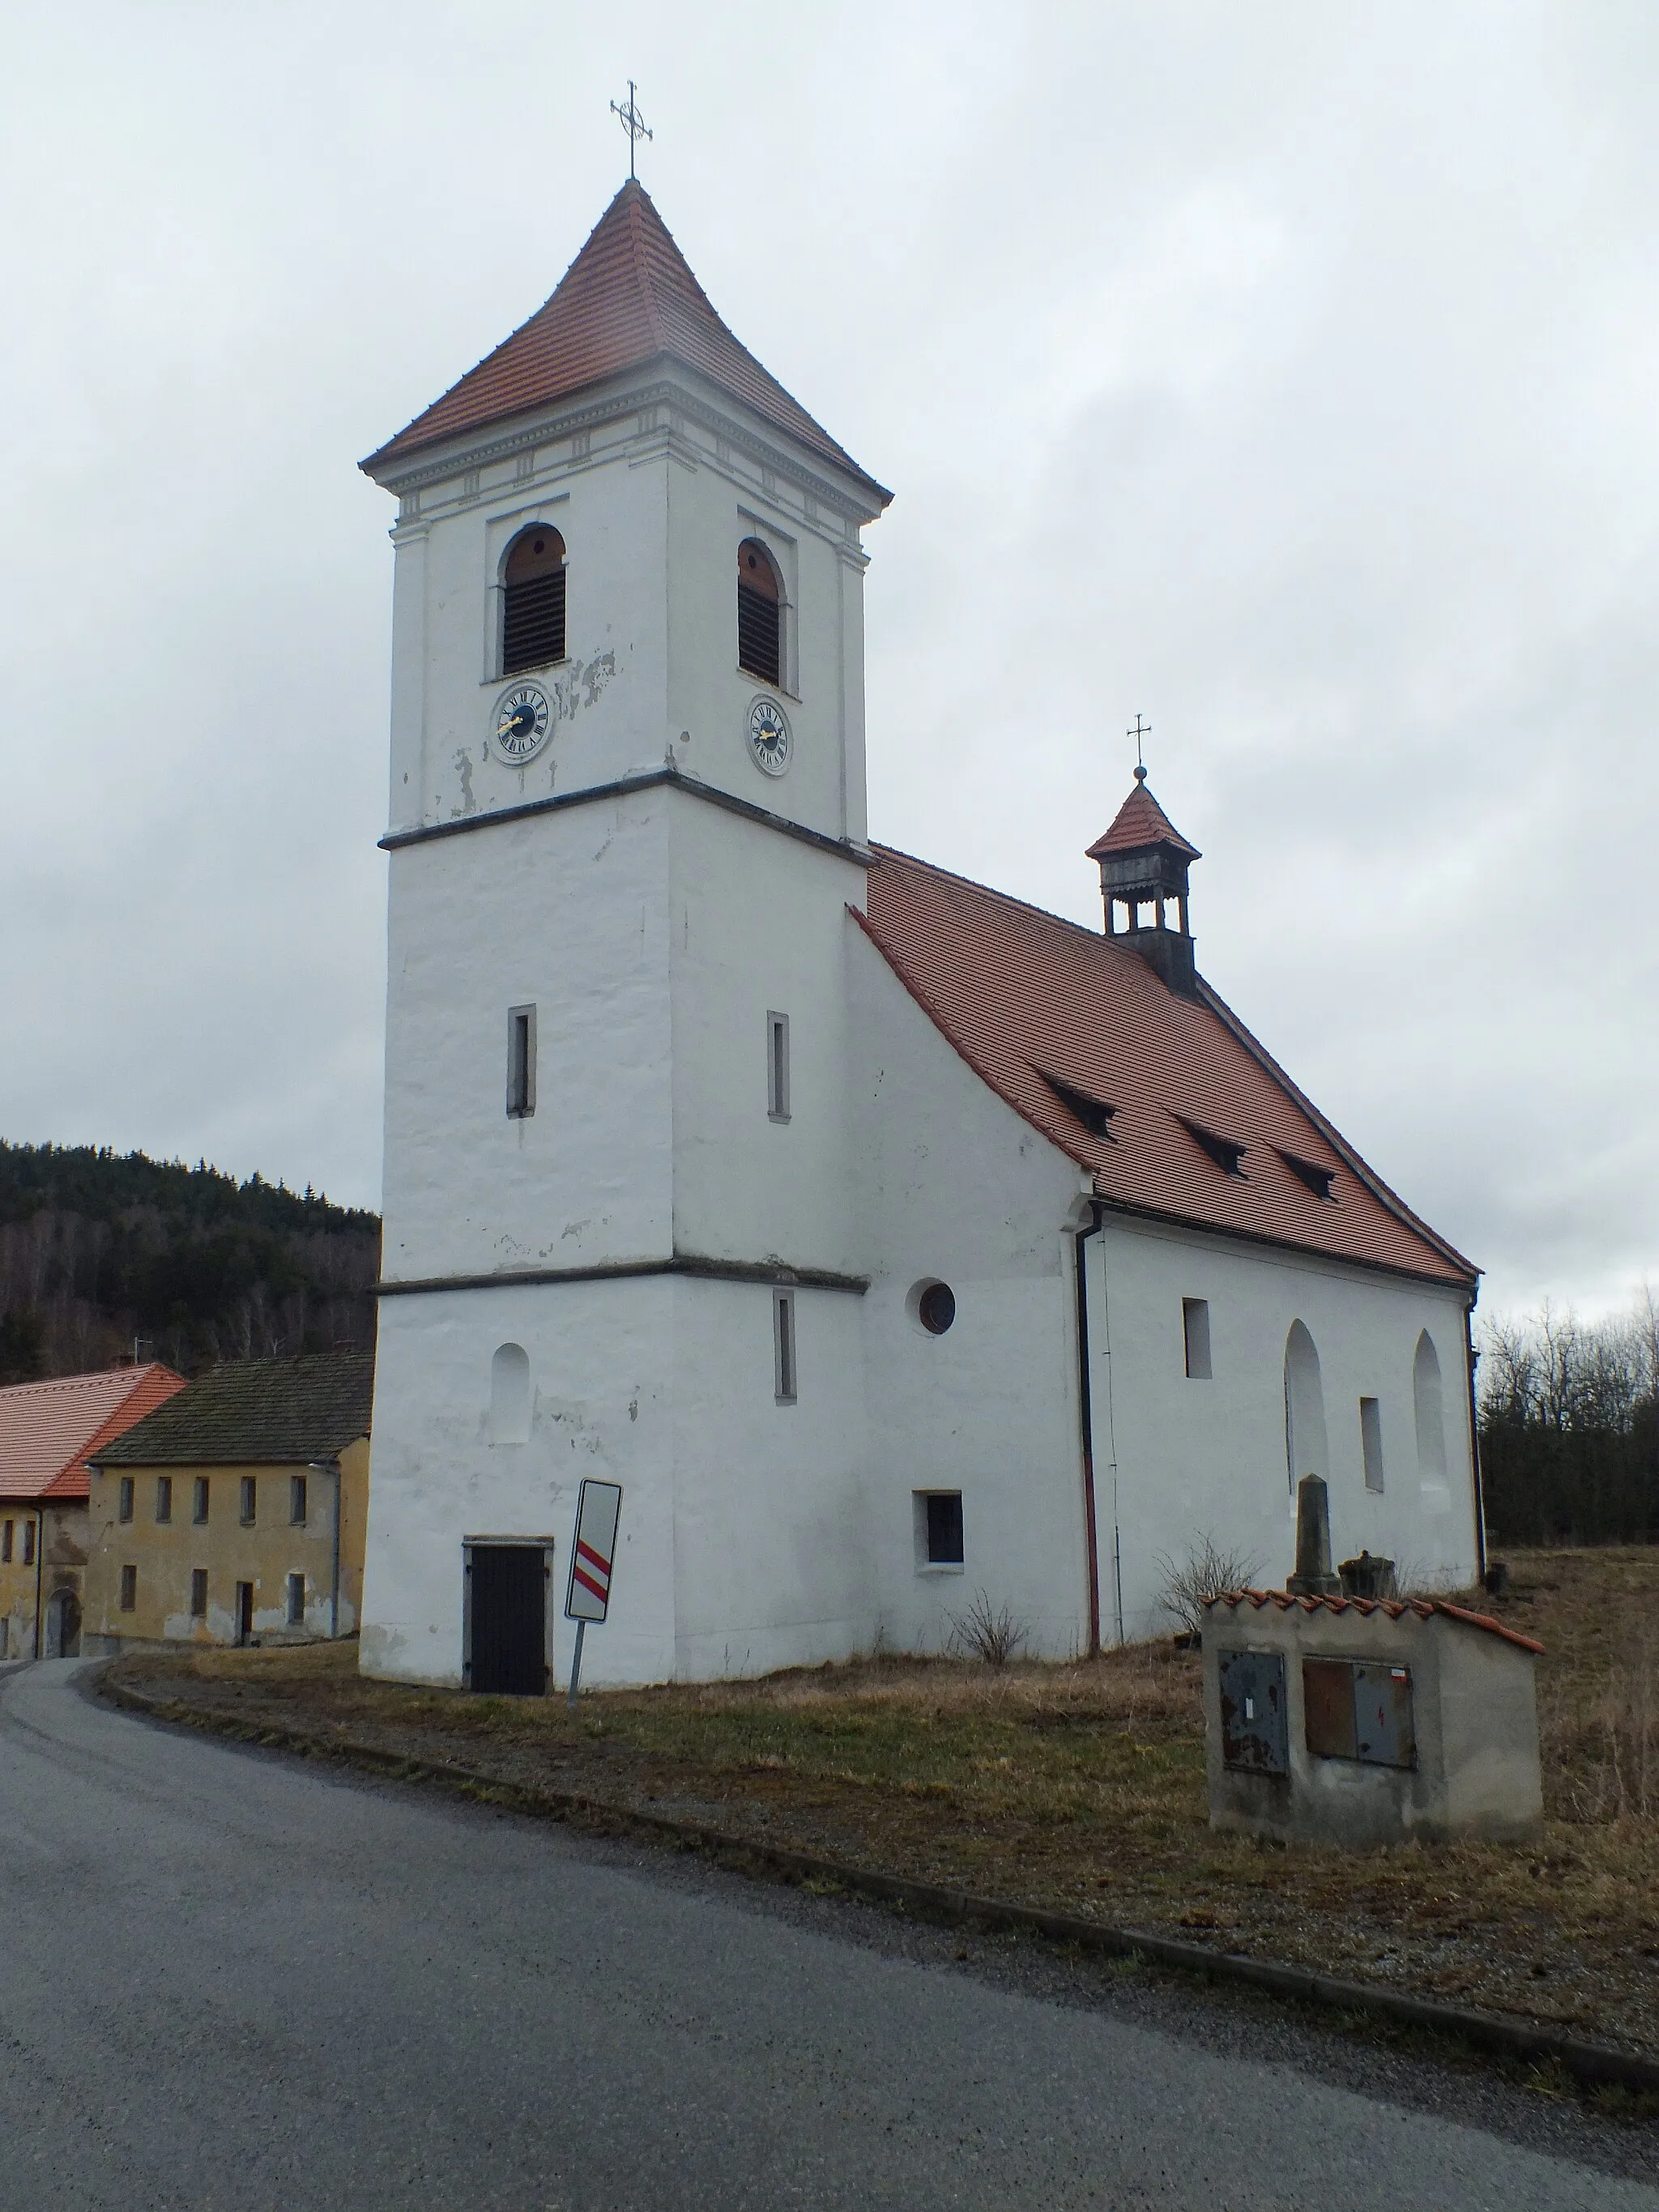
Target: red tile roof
[1141, 820]
[1031, 1001]
[627, 298]
[1419, 1608]
[48, 1429]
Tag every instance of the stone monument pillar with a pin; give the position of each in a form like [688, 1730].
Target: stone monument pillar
[1313, 1576]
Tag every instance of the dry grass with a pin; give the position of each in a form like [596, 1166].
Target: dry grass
[1082, 1786]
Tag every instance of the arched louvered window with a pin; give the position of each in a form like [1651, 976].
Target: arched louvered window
[532, 628]
[760, 614]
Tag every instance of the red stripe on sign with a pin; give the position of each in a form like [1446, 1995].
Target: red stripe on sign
[593, 1559]
[588, 1583]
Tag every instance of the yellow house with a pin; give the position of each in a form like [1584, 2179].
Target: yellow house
[236, 1513]
[48, 1430]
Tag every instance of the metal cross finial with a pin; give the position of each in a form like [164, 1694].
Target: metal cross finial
[632, 122]
[1140, 730]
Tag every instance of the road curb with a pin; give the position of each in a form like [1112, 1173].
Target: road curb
[1595, 2064]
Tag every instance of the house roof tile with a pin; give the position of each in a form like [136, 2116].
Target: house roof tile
[261, 1412]
[629, 298]
[1419, 1608]
[48, 1429]
[1030, 1001]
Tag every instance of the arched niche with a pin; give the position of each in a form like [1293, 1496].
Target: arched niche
[1307, 1450]
[509, 1395]
[1428, 1403]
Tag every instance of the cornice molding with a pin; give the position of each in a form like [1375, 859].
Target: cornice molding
[774, 1273]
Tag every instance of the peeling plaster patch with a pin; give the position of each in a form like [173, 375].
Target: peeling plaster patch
[633, 1409]
[574, 1229]
[464, 769]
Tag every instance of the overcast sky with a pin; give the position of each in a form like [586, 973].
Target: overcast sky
[1284, 373]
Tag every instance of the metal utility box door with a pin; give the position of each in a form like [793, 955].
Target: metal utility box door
[507, 1618]
[1254, 1730]
[1356, 1709]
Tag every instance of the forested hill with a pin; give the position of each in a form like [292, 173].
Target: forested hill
[98, 1248]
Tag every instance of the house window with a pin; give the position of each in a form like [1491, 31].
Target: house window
[520, 1062]
[296, 1600]
[129, 1590]
[1196, 1329]
[783, 1345]
[124, 1499]
[936, 1307]
[760, 614]
[164, 1497]
[532, 621]
[1370, 1440]
[198, 1500]
[5, 1542]
[5, 1636]
[777, 1066]
[249, 1501]
[938, 1529]
[296, 1501]
[198, 1593]
[28, 1543]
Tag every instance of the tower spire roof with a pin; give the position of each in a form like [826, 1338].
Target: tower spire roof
[628, 298]
[1141, 823]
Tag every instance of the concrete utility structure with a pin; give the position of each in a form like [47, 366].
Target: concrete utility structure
[883, 1236]
[1360, 1722]
[47, 1430]
[236, 1513]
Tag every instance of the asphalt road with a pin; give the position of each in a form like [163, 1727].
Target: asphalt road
[228, 1979]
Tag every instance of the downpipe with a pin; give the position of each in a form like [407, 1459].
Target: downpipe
[1085, 1410]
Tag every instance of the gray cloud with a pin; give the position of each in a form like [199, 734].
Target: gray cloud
[1284, 374]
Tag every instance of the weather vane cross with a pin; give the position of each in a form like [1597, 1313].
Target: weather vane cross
[1140, 730]
[632, 122]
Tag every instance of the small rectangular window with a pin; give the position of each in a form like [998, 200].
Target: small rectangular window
[124, 1499]
[296, 1501]
[164, 1497]
[5, 1636]
[5, 1542]
[198, 1500]
[129, 1590]
[783, 1345]
[940, 1528]
[1196, 1328]
[28, 1543]
[777, 1066]
[198, 1593]
[249, 1501]
[1370, 1440]
[520, 1062]
[296, 1600]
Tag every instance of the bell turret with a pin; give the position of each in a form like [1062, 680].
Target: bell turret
[1144, 861]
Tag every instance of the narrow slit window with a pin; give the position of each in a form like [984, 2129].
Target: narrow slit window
[777, 1066]
[296, 1501]
[124, 1499]
[783, 1345]
[1370, 1440]
[760, 614]
[296, 1600]
[520, 1062]
[198, 1593]
[532, 618]
[941, 1528]
[129, 1590]
[1196, 1329]
[164, 1497]
[5, 1542]
[249, 1501]
[28, 1543]
[198, 1500]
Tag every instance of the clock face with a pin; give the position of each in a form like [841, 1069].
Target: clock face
[768, 737]
[523, 719]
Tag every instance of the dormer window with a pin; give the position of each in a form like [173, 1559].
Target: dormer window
[1095, 1114]
[532, 625]
[760, 614]
[1316, 1179]
[1227, 1153]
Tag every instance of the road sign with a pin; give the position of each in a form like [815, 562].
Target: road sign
[587, 1592]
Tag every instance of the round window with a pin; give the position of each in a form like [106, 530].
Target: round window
[936, 1308]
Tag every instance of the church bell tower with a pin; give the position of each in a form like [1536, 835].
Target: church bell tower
[627, 822]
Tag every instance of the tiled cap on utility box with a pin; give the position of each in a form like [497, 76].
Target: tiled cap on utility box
[1357, 1722]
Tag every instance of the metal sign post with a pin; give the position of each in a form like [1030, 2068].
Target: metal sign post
[587, 1589]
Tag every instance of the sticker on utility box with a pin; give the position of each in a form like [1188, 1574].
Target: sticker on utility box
[587, 1593]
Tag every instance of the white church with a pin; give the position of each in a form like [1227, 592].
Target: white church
[887, 1239]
